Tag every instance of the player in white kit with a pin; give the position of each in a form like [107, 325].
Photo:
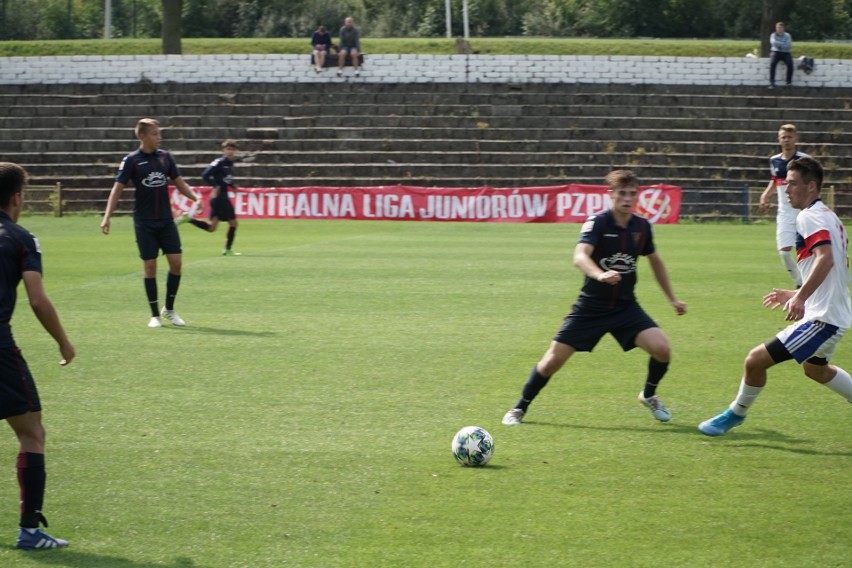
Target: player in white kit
[820, 308]
[785, 219]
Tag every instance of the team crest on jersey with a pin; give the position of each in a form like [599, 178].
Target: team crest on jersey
[155, 179]
[619, 262]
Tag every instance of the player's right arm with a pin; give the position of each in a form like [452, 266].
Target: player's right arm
[766, 196]
[584, 261]
[46, 313]
[112, 203]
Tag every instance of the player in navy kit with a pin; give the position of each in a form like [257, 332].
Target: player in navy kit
[150, 169]
[608, 252]
[219, 174]
[20, 259]
[785, 219]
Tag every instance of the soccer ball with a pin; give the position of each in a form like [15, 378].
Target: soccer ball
[473, 446]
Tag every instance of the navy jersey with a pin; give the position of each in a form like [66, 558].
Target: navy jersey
[19, 253]
[219, 173]
[615, 248]
[150, 175]
[778, 166]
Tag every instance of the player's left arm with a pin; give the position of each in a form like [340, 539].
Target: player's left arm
[46, 313]
[184, 188]
[823, 263]
[662, 276]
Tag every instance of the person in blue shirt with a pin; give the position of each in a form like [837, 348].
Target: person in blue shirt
[608, 252]
[780, 44]
[321, 44]
[219, 175]
[149, 169]
[20, 407]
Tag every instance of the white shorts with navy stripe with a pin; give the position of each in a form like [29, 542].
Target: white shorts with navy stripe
[806, 339]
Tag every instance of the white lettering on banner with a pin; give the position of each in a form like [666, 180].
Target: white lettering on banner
[290, 205]
[388, 205]
[582, 204]
[515, 206]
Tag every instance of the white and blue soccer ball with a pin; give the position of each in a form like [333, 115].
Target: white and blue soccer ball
[473, 446]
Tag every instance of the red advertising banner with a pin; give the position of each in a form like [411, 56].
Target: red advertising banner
[552, 204]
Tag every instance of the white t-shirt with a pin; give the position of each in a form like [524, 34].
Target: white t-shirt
[815, 225]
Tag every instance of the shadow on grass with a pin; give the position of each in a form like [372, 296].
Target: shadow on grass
[219, 331]
[75, 559]
[756, 438]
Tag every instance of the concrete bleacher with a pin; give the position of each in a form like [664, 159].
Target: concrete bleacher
[712, 140]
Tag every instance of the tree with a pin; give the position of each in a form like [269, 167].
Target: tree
[172, 10]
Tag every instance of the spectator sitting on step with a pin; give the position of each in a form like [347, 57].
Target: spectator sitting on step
[321, 43]
[350, 44]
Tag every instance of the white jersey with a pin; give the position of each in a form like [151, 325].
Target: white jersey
[818, 225]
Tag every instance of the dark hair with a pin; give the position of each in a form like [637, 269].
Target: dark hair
[809, 169]
[13, 178]
[621, 178]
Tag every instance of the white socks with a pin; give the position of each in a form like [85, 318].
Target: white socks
[745, 398]
[790, 265]
[841, 384]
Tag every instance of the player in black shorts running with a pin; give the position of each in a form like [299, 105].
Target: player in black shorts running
[608, 252]
[20, 259]
[150, 169]
[220, 175]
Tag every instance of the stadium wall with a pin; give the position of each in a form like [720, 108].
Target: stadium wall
[732, 71]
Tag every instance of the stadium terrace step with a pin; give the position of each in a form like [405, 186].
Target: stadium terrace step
[710, 140]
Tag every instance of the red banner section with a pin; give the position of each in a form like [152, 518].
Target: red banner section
[552, 204]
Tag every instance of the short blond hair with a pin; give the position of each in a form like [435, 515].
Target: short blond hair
[787, 128]
[229, 143]
[144, 124]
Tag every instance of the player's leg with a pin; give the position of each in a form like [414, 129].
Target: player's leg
[554, 358]
[170, 243]
[232, 233]
[656, 344]
[833, 377]
[32, 480]
[785, 237]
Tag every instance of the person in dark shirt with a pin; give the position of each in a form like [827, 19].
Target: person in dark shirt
[20, 259]
[219, 174]
[608, 252]
[321, 44]
[350, 44]
[150, 169]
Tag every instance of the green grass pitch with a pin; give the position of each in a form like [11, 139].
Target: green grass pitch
[304, 415]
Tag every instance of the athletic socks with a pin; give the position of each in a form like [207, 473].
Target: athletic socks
[172, 285]
[791, 267]
[200, 224]
[232, 231]
[151, 292]
[656, 371]
[841, 384]
[31, 479]
[534, 384]
[745, 398]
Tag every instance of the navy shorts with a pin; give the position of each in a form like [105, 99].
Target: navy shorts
[222, 209]
[155, 235]
[18, 393]
[583, 328]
